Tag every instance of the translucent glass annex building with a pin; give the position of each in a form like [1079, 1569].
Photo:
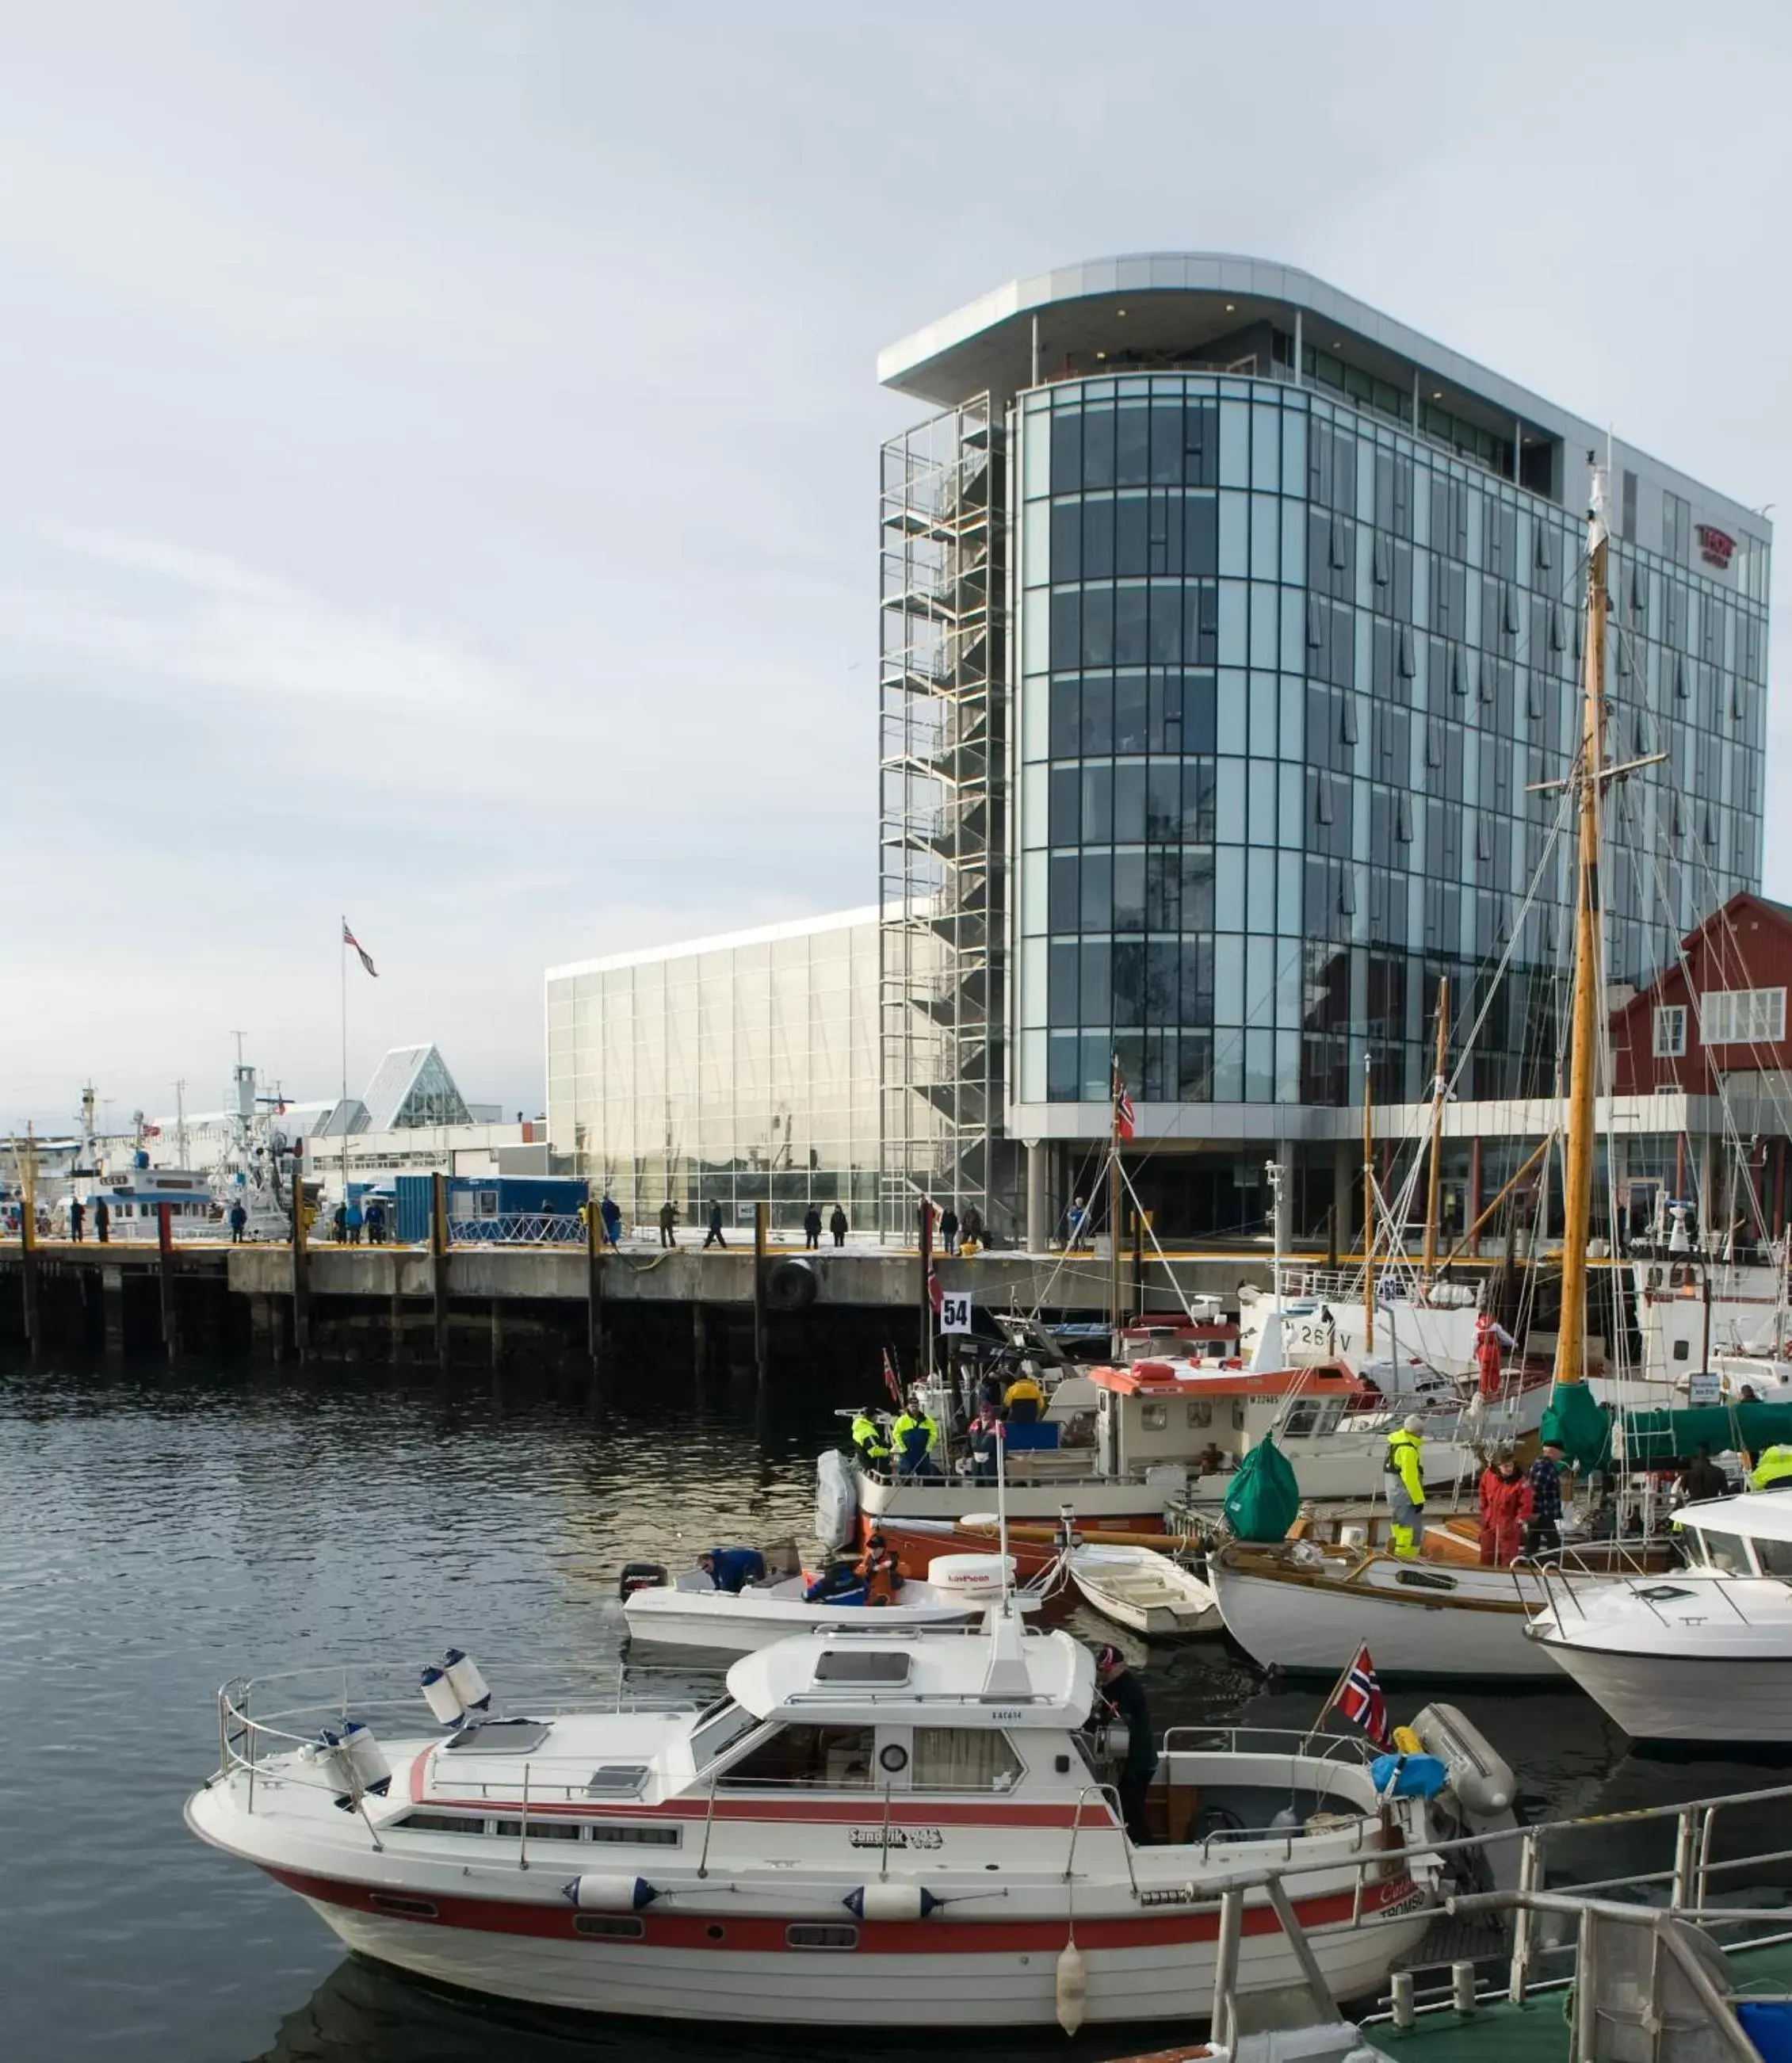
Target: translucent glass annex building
[1229, 629]
[741, 1068]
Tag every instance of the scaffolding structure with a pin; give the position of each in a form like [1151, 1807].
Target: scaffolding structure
[942, 838]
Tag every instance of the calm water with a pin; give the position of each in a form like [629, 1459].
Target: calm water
[158, 1534]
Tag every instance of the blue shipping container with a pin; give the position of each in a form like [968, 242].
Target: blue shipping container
[486, 1206]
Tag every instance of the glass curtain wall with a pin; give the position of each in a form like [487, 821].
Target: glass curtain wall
[1288, 678]
[745, 1072]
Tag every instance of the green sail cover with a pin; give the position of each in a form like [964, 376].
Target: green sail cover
[1652, 1439]
[1264, 1498]
[1583, 1427]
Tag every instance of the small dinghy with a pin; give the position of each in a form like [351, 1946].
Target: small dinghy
[1139, 1588]
[691, 1612]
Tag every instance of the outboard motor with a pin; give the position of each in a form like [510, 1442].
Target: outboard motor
[640, 1576]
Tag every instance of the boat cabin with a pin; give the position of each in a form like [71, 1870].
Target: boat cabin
[1151, 1412]
[1749, 1535]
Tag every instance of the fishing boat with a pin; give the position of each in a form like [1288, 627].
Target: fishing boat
[867, 1829]
[1702, 1653]
[690, 1611]
[1140, 1588]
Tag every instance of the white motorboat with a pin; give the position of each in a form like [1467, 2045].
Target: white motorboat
[1701, 1654]
[1139, 1588]
[1301, 1605]
[866, 1831]
[691, 1612]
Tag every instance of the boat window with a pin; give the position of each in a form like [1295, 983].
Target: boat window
[830, 1758]
[964, 1758]
[1153, 1417]
[1682, 1350]
[720, 1728]
[1774, 1557]
[1425, 1579]
[499, 1737]
[1660, 1593]
[1200, 1411]
[843, 1666]
[615, 1832]
[542, 1830]
[1301, 1419]
[609, 1926]
[616, 1779]
[1726, 1552]
[806, 1934]
[441, 1823]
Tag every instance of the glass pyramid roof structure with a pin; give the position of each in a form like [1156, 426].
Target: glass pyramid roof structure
[411, 1088]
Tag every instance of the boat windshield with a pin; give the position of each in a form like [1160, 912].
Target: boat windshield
[1727, 1553]
[718, 1728]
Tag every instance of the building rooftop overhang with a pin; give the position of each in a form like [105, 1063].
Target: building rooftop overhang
[1177, 304]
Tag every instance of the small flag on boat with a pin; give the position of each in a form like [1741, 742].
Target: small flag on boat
[1124, 1119]
[349, 939]
[936, 1296]
[892, 1377]
[1361, 1700]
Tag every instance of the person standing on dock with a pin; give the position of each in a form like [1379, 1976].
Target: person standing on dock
[610, 1211]
[77, 1216]
[356, 1218]
[1505, 1505]
[713, 1237]
[970, 1232]
[102, 1220]
[812, 1227]
[1075, 1219]
[948, 1230]
[339, 1224]
[837, 1225]
[668, 1223]
[239, 1219]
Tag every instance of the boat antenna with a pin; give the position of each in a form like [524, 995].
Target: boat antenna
[1002, 1512]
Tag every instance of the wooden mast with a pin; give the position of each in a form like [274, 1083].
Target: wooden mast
[1369, 1217]
[1437, 1126]
[1571, 1339]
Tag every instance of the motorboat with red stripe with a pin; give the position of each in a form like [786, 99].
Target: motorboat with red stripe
[866, 1828]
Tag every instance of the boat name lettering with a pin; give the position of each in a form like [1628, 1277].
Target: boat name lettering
[895, 1837]
[1410, 1901]
[1008, 1712]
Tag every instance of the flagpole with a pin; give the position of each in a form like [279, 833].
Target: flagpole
[1325, 1710]
[1113, 1207]
[342, 967]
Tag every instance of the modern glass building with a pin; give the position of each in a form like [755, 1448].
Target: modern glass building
[1231, 644]
[742, 1069]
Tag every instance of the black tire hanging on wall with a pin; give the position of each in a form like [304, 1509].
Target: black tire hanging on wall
[791, 1285]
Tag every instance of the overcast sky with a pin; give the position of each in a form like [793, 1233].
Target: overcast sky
[439, 443]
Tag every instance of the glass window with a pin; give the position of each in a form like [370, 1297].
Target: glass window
[1066, 541]
[793, 1758]
[1098, 448]
[962, 1758]
[1098, 627]
[1131, 536]
[1065, 813]
[1129, 894]
[1131, 732]
[1066, 719]
[1097, 804]
[1067, 629]
[1129, 801]
[1062, 1003]
[1132, 450]
[1066, 450]
[1266, 456]
[1097, 900]
[1131, 643]
[1774, 1557]
[1726, 1552]
[1200, 536]
[1234, 444]
[1098, 715]
[1061, 1073]
[1065, 905]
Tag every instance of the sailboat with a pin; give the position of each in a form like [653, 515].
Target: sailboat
[1299, 1606]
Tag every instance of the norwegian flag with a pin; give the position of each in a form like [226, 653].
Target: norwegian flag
[349, 939]
[1361, 1700]
[936, 1296]
[1123, 1116]
[892, 1377]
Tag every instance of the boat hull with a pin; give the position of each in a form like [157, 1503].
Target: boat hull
[929, 1973]
[1683, 1698]
[722, 1625]
[1285, 1623]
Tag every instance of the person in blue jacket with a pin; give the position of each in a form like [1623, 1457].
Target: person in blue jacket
[732, 1569]
[611, 1212]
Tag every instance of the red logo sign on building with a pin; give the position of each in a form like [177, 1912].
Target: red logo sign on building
[1715, 546]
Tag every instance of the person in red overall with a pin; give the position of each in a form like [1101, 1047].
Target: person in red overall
[1490, 1338]
[1505, 1509]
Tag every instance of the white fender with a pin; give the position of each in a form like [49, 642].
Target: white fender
[364, 1755]
[890, 1901]
[469, 1686]
[598, 1893]
[1072, 1988]
[836, 1499]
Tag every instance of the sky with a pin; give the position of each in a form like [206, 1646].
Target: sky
[439, 443]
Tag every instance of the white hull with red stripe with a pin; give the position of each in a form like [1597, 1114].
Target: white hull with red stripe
[869, 1829]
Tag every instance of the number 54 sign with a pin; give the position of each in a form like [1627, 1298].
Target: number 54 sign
[954, 1312]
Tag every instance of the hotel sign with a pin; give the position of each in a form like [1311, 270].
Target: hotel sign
[1715, 547]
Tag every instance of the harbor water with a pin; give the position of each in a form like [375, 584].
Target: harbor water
[161, 1531]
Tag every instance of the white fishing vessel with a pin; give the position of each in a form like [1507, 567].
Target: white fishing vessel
[867, 1831]
[690, 1612]
[1701, 1654]
[1139, 1588]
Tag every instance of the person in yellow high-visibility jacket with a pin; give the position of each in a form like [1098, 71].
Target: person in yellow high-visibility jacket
[1406, 1488]
[1773, 1471]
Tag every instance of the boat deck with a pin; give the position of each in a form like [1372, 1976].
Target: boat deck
[1538, 2031]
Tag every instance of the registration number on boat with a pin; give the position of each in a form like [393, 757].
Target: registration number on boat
[895, 1837]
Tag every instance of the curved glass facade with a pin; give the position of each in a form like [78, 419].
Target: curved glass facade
[1288, 677]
